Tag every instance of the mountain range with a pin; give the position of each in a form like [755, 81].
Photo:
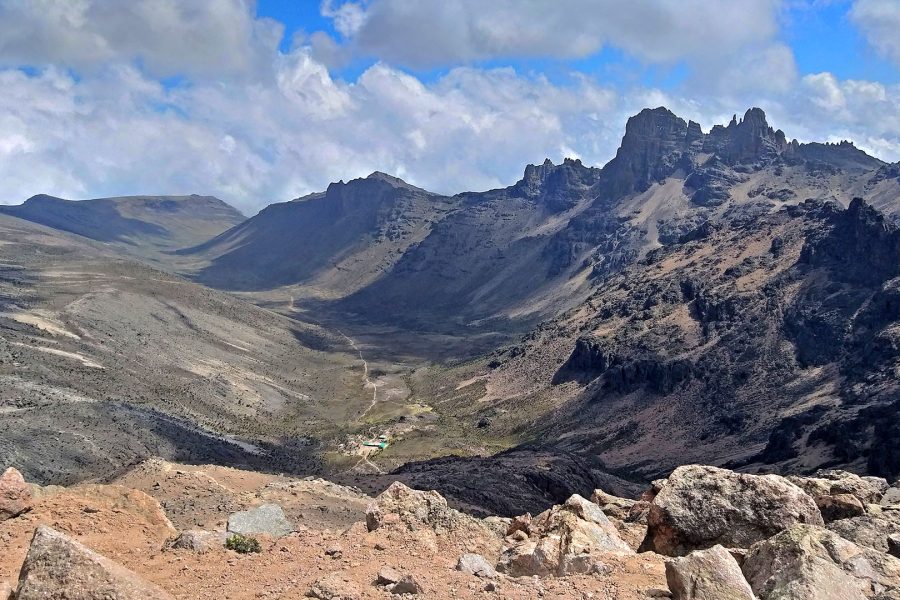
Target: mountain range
[726, 297]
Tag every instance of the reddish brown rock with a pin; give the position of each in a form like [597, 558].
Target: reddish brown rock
[15, 495]
[58, 567]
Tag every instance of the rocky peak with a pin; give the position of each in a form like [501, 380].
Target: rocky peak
[747, 140]
[557, 185]
[655, 142]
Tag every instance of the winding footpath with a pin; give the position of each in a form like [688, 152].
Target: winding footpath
[367, 382]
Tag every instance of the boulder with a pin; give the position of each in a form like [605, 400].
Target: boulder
[198, 540]
[419, 510]
[268, 519]
[406, 585]
[6, 591]
[57, 567]
[893, 545]
[891, 497]
[334, 586]
[869, 531]
[539, 558]
[806, 562]
[388, 576]
[707, 575]
[841, 494]
[567, 539]
[613, 506]
[477, 565]
[701, 506]
[499, 525]
[869, 490]
[15, 494]
[839, 506]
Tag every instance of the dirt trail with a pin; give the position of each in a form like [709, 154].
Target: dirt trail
[367, 382]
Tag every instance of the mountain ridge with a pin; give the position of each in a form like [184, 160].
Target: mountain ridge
[148, 226]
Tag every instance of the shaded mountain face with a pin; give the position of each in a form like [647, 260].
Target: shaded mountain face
[336, 241]
[763, 344]
[142, 225]
[377, 250]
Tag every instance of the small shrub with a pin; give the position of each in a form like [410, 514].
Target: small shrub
[242, 544]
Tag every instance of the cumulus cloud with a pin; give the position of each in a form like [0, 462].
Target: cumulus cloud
[879, 20]
[121, 131]
[423, 33]
[253, 134]
[168, 37]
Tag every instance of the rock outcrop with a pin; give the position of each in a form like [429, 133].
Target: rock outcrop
[699, 507]
[566, 539]
[711, 574]
[419, 510]
[58, 567]
[15, 495]
[811, 563]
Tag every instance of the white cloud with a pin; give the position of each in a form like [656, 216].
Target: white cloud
[120, 131]
[169, 37]
[251, 140]
[879, 21]
[424, 33]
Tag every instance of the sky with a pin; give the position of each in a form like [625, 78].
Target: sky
[264, 101]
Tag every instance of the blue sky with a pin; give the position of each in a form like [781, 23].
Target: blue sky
[258, 101]
[821, 34]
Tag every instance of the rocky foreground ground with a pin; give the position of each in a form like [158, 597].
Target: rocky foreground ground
[161, 531]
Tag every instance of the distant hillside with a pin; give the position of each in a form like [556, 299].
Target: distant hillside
[105, 361]
[142, 225]
[338, 241]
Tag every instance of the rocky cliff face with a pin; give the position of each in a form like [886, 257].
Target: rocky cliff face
[764, 343]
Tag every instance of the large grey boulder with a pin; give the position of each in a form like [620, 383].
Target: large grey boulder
[711, 574]
[268, 519]
[59, 568]
[841, 494]
[15, 495]
[870, 531]
[891, 497]
[699, 507]
[813, 563]
[567, 539]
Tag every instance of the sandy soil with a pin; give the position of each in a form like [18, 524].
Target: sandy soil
[129, 526]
